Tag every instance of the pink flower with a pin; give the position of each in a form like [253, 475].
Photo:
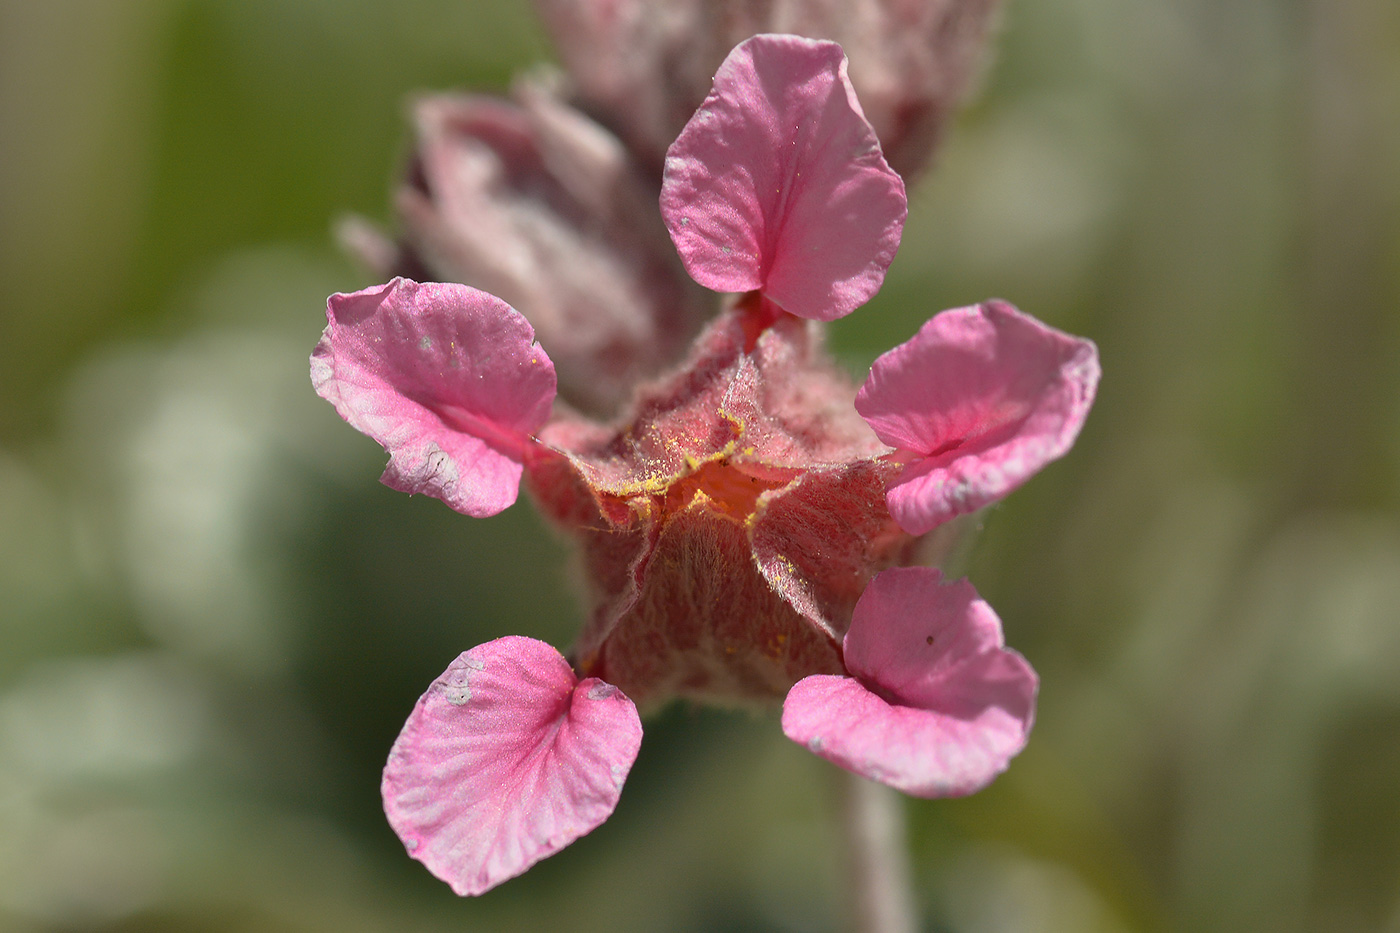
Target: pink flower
[746, 523]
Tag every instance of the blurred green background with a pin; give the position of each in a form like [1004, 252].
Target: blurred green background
[213, 620]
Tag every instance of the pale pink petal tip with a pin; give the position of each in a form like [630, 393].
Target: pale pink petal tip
[778, 183]
[935, 706]
[447, 378]
[978, 401]
[505, 760]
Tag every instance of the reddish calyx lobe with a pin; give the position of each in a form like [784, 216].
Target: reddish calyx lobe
[728, 523]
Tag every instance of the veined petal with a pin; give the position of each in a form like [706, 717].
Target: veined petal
[505, 760]
[447, 378]
[979, 400]
[777, 183]
[935, 706]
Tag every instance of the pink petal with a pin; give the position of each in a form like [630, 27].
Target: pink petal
[505, 760]
[979, 400]
[777, 183]
[935, 706]
[447, 378]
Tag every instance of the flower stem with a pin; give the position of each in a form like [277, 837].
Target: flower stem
[879, 858]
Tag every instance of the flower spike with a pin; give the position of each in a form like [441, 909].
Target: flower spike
[447, 378]
[505, 760]
[778, 183]
[977, 402]
[935, 706]
[741, 524]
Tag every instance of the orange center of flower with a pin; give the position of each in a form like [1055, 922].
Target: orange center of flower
[725, 487]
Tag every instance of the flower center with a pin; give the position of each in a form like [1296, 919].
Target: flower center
[724, 486]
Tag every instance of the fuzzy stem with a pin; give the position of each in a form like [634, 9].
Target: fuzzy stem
[879, 858]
